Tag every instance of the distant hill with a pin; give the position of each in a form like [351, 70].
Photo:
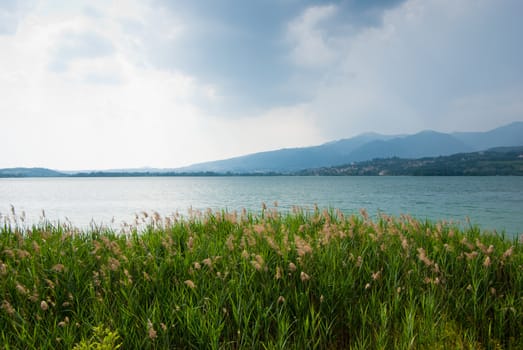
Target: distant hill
[365, 147]
[289, 159]
[493, 162]
[505, 136]
[362, 148]
[423, 144]
[30, 172]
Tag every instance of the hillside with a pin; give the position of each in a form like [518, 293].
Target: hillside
[289, 159]
[497, 161]
[30, 172]
[366, 147]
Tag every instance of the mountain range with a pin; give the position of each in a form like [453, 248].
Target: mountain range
[500, 161]
[366, 147]
[362, 148]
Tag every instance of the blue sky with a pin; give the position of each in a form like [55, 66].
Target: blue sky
[128, 83]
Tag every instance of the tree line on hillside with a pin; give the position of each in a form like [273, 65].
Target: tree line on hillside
[494, 162]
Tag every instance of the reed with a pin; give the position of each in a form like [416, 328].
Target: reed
[267, 280]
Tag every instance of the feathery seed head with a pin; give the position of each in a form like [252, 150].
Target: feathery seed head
[8, 308]
[114, 264]
[256, 265]
[207, 262]
[405, 243]
[22, 254]
[36, 247]
[471, 255]
[422, 255]
[34, 297]
[190, 284]
[376, 275]
[260, 259]
[304, 277]
[58, 268]
[259, 229]
[278, 274]
[230, 242]
[151, 331]
[508, 252]
[21, 289]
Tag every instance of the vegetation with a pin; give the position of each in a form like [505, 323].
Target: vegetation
[495, 162]
[270, 280]
[29, 172]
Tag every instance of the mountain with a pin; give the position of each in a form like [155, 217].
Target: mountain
[505, 136]
[493, 162]
[423, 144]
[289, 159]
[30, 172]
[361, 148]
[366, 147]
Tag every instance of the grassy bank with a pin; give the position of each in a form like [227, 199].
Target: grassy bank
[269, 280]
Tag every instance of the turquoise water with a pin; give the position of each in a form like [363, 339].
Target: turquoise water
[490, 202]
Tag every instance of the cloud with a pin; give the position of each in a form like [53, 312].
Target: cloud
[106, 106]
[364, 14]
[122, 83]
[241, 48]
[409, 72]
[11, 13]
[310, 48]
[73, 46]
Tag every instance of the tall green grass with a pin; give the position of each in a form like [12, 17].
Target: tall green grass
[267, 280]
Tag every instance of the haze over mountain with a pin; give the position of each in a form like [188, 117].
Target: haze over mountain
[366, 147]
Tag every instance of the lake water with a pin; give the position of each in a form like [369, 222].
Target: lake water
[490, 202]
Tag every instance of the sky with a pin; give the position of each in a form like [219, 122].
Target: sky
[105, 84]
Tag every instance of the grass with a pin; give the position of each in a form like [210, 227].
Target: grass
[267, 280]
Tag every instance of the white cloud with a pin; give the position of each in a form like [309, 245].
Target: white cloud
[310, 42]
[110, 106]
[11, 13]
[73, 46]
[105, 108]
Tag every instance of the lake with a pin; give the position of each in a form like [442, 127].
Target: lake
[490, 202]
